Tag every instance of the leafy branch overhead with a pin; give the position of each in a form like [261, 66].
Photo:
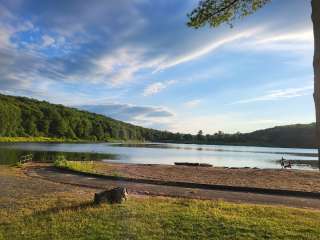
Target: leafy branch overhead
[216, 12]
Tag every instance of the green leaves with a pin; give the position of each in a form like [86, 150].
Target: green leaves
[216, 12]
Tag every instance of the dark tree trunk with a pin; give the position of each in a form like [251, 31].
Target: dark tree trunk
[316, 66]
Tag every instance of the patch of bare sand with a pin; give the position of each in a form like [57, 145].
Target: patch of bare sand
[308, 181]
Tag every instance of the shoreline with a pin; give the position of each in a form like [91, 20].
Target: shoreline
[120, 141]
[61, 140]
[276, 179]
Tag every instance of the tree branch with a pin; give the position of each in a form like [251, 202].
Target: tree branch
[226, 7]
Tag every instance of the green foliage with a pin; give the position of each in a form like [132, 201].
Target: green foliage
[298, 135]
[17, 165]
[60, 157]
[37, 139]
[216, 12]
[81, 166]
[24, 117]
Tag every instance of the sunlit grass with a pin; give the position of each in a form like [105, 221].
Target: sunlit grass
[161, 218]
[81, 166]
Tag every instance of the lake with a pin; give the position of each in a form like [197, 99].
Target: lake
[159, 153]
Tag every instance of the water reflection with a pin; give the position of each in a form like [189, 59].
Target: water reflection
[249, 149]
[154, 153]
[11, 156]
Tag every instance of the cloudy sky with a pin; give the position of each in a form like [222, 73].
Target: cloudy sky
[137, 61]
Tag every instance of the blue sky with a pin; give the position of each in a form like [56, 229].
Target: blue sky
[137, 61]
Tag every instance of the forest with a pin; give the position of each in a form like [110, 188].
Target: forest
[21, 116]
[25, 117]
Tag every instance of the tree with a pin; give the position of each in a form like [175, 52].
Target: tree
[58, 127]
[98, 130]
[200, 136]
[216, 12]
[123, 133]
[44, 126]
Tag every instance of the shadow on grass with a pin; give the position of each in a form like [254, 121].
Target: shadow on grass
[57, 209]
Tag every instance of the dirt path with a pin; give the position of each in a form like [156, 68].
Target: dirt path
[81, 180]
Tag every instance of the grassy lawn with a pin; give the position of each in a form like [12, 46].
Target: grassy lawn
[84, 166]
[81, 166]
[36, 209]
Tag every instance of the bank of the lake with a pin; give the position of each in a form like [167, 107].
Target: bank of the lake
[292, 180]
[62, 140]
[38, 140]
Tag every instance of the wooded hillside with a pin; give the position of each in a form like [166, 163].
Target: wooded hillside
[20, 116]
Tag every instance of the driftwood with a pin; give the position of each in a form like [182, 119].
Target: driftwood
[115, 195]
[193, 164]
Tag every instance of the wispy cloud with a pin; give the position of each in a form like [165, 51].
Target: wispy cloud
[156, 87]
[297, 40]
[121, 65]
[193, 103]
[280, 94]
[47, 40]
[146, 115]
[207, 49]
[303, 35]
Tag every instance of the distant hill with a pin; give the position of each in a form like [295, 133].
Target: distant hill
[21, 116]
[294, 136]
[297, 135]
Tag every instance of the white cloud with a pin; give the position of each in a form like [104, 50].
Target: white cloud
[126, 63]
[258, 39]
[304, 35]
[280, 94]
[193, 103]
[5, 34]
[207, 49]
[156, 87]
[47, 41]
[253, 39]
[140, 115]
[120, 66]
[298, 40]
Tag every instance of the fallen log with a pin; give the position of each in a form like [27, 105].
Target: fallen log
[193, 164]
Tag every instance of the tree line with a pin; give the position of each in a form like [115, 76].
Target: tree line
[21, 116]
[25, 117]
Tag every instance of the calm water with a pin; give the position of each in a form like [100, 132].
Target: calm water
[223, 156]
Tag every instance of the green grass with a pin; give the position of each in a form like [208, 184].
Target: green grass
[81, 166]
[156, 218]
[32, 208]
